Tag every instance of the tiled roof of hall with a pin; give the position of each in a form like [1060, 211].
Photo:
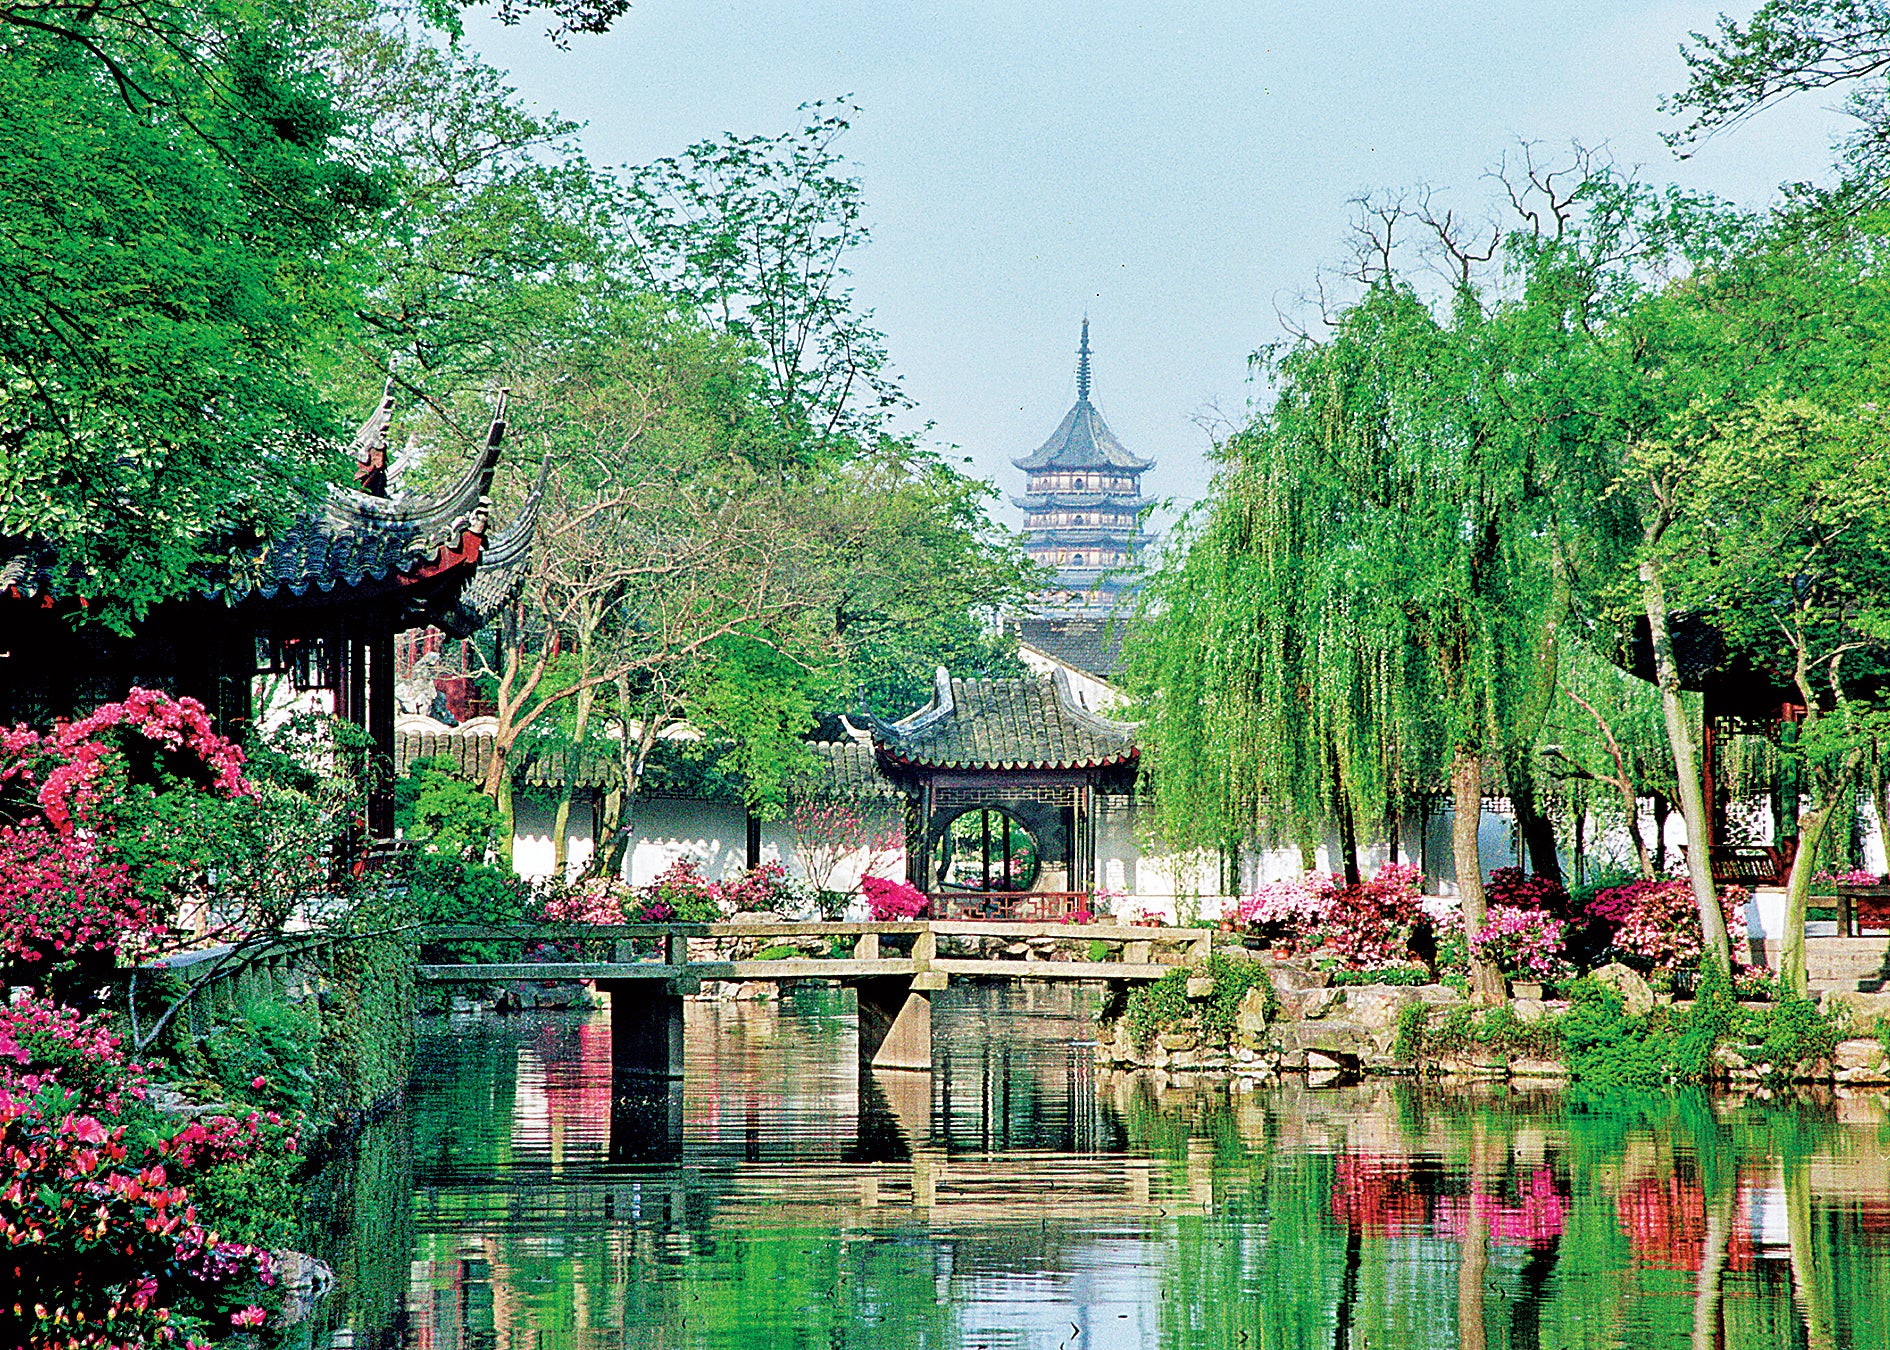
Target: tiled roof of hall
[1032, 723]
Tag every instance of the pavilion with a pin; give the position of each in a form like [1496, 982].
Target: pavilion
[1005, 782]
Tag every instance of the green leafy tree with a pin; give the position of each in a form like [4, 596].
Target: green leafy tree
[1809, 493]
[173, 211]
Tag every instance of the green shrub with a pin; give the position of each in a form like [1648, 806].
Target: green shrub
[1790, 1034]
[442, 813]
[1603, 1045]
[780, 951]
[1098, 950]
[265, 1054]
[1232, 982]
[1164, 1005]
[1408, 1044]
[1403, 976]
[1463, 1029]
[1155, 1008]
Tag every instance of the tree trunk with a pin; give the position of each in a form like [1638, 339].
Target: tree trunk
[508, 816]
[1792, 972]
[636, 753]
[1809, 1273]
[1693, 804]
[561, 822]
[1466, 788]
[1473, 1261]
[1348, 843]
[1537, 830]
[1623, 782]
[1709, 1304]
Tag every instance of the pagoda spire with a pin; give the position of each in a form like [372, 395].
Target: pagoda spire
[1082, 365]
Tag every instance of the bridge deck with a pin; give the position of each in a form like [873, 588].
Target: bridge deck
[669, 961]
[810, 968]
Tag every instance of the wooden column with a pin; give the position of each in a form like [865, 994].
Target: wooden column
[379, 650]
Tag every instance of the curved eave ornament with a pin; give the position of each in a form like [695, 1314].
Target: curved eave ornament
[502, 569]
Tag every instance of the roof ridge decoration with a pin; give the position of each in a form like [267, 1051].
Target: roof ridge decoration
[465, 500]
[370, 442]
[348, 537]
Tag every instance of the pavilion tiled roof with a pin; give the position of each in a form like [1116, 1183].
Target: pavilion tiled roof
[1032, 723]
[849, 769]
[350, 541]
[352, 538]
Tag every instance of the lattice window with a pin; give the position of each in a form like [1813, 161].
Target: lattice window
[966, 797]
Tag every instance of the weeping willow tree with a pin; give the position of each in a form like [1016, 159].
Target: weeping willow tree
[1365, 609]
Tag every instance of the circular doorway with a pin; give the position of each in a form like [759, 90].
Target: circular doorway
[984, 849]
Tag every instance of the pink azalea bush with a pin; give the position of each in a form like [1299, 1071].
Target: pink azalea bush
[61, 900]
[1512, 888]
[1658, 921]
[759, 888]
[1857, 876]
[594, 901]
[680, 895]
[112, 821]
[101, 1198]
[892, 901]
[1525, 943]
[1370, 924]
[124, 1226]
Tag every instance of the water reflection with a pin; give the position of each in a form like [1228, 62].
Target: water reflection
[1015, 1198]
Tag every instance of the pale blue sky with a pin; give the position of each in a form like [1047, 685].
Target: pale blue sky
[1178, 171]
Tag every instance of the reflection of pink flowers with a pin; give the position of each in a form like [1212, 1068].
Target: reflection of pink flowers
[1665, 1221]
[1376, 1195]
[1383, 1196]
[1535, 1218]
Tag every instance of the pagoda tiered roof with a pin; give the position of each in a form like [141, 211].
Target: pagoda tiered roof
[1082, 440]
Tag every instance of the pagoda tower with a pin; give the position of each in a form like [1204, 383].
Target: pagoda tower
[1082, 507]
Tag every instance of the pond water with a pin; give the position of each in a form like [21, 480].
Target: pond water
[1018, 1197]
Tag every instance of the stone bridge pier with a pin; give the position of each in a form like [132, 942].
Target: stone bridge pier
[895, 1011]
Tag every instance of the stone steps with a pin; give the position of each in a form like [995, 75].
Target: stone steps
[1847, 962]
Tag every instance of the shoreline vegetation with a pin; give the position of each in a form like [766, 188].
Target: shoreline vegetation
[1243, 1016]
